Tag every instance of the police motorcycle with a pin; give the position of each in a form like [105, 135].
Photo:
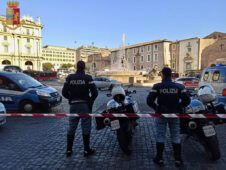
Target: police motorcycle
[203, 130]
[122, 102]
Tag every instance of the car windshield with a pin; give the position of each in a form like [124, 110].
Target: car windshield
[26, 81]
[12, 69]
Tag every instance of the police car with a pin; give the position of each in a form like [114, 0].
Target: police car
[216, 77]
[20, 92]
[2, 112]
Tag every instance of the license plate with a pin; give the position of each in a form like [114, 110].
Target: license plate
[115, 125]
[209, 131]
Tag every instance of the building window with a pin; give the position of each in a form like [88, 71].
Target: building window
[142, 58]
[188, 66]
[5, 38]
[5, 29]
[149, 58]
[6, 49]
[28, 40]
[134, 59]
[142, 67]
[28, 50]
[134, 50]
[149, 48]
[156, 47]
[18, 42]
[173, 56]
[189, 44]
[134, 68]
[141, 49]
[156, 58]
[28, 32]
[189, 49]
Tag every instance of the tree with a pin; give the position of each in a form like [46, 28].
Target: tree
[47, 66]
[66, 66]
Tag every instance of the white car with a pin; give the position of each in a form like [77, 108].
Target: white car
[105, 83]
[2, 112]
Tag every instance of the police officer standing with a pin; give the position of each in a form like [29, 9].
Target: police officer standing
[171, 98]
[81, 92]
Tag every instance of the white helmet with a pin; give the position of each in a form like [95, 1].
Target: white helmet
[206, 93]
[118, 90]
[118, 93]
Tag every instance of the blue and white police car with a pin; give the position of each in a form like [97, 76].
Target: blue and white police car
[216, 77]
[20, 92]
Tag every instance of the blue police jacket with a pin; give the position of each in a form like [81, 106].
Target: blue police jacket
[79, 87]
[168, 97]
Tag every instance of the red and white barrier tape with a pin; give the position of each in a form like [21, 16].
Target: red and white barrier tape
[126, 115]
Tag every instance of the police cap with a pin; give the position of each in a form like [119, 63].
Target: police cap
[166, 71]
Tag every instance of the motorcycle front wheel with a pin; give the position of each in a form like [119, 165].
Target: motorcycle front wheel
[124, 140]
[211, 146]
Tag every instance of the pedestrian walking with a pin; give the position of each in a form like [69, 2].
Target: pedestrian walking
[168, 97]
[81, 92]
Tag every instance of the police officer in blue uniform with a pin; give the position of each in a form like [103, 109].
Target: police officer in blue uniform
[171, 98]
[81, 92]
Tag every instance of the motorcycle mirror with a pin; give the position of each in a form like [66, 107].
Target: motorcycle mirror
[108, 95]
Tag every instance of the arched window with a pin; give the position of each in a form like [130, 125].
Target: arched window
[6, 62]
[28, 63]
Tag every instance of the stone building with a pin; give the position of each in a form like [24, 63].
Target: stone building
[21, 46]
[58, 56]
[83, 52]
[98, 62]
[216, 52]
[143, 56]
[190, 51]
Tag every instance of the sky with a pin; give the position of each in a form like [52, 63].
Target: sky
[72, 23]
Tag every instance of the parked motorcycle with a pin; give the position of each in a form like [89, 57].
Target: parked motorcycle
[122, 102]
[203, 130]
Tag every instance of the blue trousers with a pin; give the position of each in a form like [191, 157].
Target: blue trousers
[161, 127]
[74, 121]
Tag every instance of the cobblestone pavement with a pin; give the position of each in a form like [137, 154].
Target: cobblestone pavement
[39, 143]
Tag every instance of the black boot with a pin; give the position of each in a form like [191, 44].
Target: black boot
[177, 154]
[70, 140]
[159, 156]
[87, 150]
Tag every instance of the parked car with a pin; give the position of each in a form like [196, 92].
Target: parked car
[105, 83]
[190, 83]
[10, 68]
[2, 112]
[216, 77]
[20, 92]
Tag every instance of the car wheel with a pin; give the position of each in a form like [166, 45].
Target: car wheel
[27, 107]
